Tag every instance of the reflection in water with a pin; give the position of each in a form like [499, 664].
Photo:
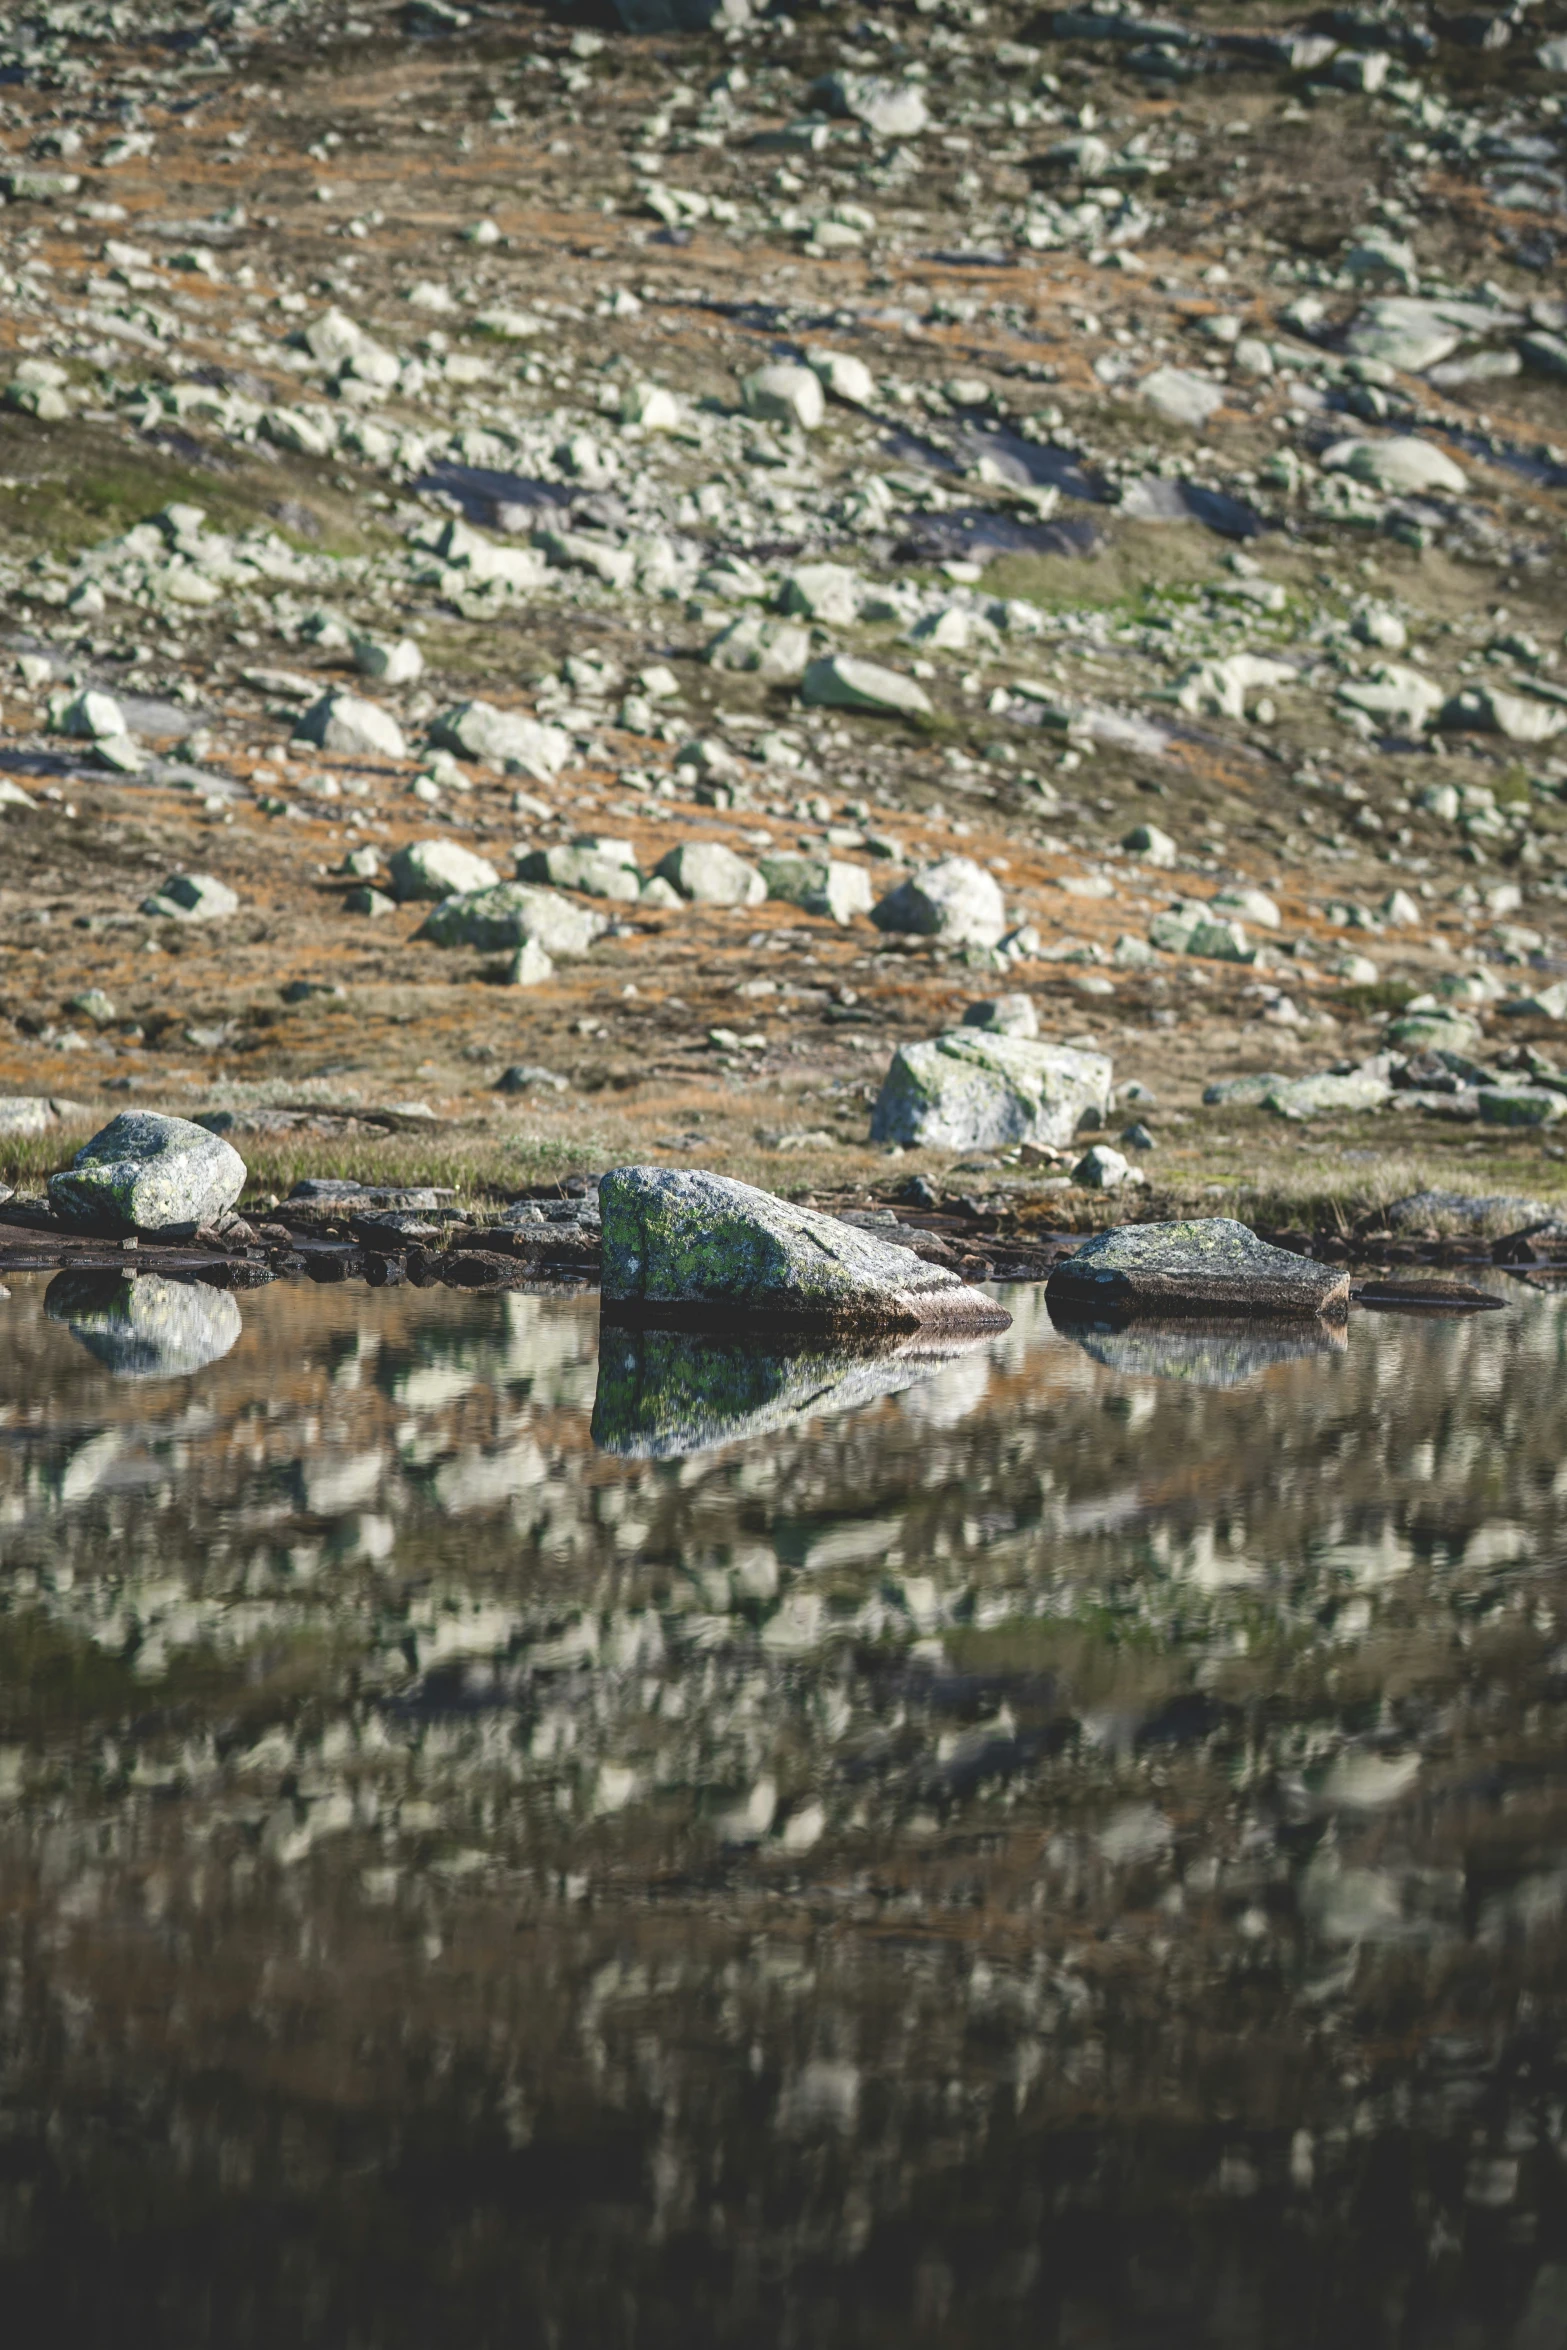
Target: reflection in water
[1204, 1350]
[1048, 1856]
[666, 1393]
[144, 1327]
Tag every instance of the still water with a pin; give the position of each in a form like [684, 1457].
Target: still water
[1065, 1845]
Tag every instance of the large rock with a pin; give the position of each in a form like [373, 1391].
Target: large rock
[145, 1327]
[191, 897]
[1004, 1015]
[776, 651]
[1400, 463]
[839, 682]
[1485, 709]
[350, 724]
[845, 377]
[819, 885]
[785, 393]
[1182, 397]
[663, 1394]
[1395, 696]
[24, 1115]
[970, 1090]
[712, 875]
[506, 738]
[438, 869]
[595, 871]
[1212, 1265]
[499, 920]
[954, 899]
[893, 110]
[147, 1173]
[688, 1247]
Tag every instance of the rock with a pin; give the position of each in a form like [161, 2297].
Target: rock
[1435, 1030]
[23, 1115]
[893, 110]
[681, 16]
[826, 592]
[1405, 332]
[712, 875]
[1465, 1211]
[1520, 1105]
[1547, 1003]
[666, 1394]
[969, 1090]
[818, 885]
[955, 900]
[350, 724]
[1485, 709]
[589, 869]
[1397, 697]
[499, 920]
[147, 1173]
[1005, 1015]
[1181, 397]
[94, 717]
[1219, 1351]
[438, 869]
[530, 966]
[1377, 624]
[776, 651]
[1546, 354]
[506, 738]
[1152, 845]
[844, 377]
[1211, 1266]
[1401, 463]
[1311, 1097]
[1102, 1169]
[146, 1328]
[839, 682]
[662, 894]
[785, 394]
[192, 897]
[366, 900]
[1250, 905]
[692, 1246]
[396, 664]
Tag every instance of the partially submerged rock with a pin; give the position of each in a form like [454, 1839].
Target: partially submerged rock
[686, 1247]
[1211, 1265]
[145, 1327]
[973, 1089]
[147, 1173]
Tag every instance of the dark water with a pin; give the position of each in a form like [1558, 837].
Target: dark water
[1066, 1846]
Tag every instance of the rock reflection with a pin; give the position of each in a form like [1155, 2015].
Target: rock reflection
[665, 1394]
[1207, 1351]
[141, 1326]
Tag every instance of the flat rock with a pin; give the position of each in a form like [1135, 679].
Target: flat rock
[840, 682]
[969, 1090]
[954, 899]
[438, 869]
[686, 1246]
[146, 1328]
[499, 920]
[1211, 1265]
[144, 1172]
[352, 725]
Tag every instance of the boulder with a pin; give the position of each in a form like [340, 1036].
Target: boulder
[954, 899]
[968, 1090]
[1102, 1168]
[785, 393]
[689, 1247]
[438, 869]
[499, 920]
[393, 664]
[1210, 1266]
[1521, 1105]
[827, 592]
[1485, 709]
[191, 897]
[24, 1114]
[1152, 845]
[818, 885]
[146, 1328]
[1182, 397]
[506, 738]
[350, 724]
[839, 682]
[1005, 1015]
[893, 110]
[591, 870]
[776, 651]
[93, 716]
[1402, 463]
[845, 377]
[712, 875]
[1310, 1097]
[147, 1173]
[1396, 696]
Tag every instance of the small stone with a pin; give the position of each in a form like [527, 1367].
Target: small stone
[969, 1090]
[94, 716]
[147, 1173]
[955, 900]
[839, 682]
[366, 900]
[192, 897]
[1005, 1015]
[363, 864]
[350, 724]
[892, 109]
[1101, 1169]
[845, 377]
[439, 869]
[776, 651]
[1212, 1266]
[711, 875]
[590, 869]
[95, 1006]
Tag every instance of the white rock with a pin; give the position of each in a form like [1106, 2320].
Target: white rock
[774, 650]
[397, 664]
[350, 724]
[1181, 397]
[828, 592]
[439, 869]
[712, 875]
[1400, 463]
[478, 730]
[1486, 709]
[785, 394]
[192, 897]
[93, 715]
[954, 899]
[845, 377]
[839, 682]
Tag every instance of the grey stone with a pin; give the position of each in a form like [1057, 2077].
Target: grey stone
[368, 900]
[499, 920]
[1486, 709]
[24, 1114]
[1152, 845]
[1465, 1211]
[785, 393]
[1211, 1265]
[1520, 1105]
[438, 869]
[1181, 397]
[147, 1173]
[1101, 1168]
[1547, 1003]
[192, 897]
[596, 875]
[954, 899]
[839, 682]
[1312, 1097]
[818, 885]
[893, 110]
[968, 1090]
[845, 377]
[1005, 1015]
[712, 875]
[680, 16]
[1401, 463]
[777, 651]
[393, 664]
[1242, 1093]
[506, 738]
[1436, 1029]
[689, 1245]
[93, 716]
[350, 724]
[146, 1327]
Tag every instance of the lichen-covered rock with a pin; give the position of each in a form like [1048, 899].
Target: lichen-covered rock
[819, 885]
[1211, 1265]
[954, 899]
[147, 1173]
[146, 1328]
[688, 1246]
[438, 869]
[1521, 1105]
[974, 1090]
[704, 870]
[499, 920]
[348, 723]
[663, 1394]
